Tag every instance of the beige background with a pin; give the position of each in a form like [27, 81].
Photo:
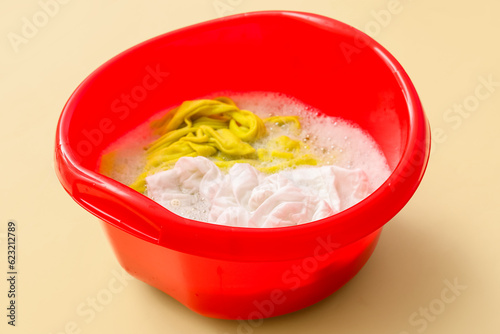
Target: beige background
[449, 231]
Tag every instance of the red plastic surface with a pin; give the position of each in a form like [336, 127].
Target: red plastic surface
[225, 271]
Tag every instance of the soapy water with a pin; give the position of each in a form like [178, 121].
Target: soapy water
[332, 140]
[336, 141]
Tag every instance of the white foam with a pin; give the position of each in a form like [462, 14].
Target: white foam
[335, 140]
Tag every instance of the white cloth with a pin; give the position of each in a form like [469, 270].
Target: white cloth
[248, 198]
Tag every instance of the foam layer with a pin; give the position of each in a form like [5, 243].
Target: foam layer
[336, 141]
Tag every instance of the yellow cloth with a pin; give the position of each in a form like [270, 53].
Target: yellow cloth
[220, 129]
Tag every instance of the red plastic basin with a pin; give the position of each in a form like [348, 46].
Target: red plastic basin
[230, 272]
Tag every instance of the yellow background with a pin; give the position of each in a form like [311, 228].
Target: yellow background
[449, 231]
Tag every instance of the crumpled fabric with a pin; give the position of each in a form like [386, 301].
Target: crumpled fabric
[201, 128]
[214, 127]
[245, 197]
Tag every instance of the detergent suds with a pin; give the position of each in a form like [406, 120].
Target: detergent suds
[306, 167]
